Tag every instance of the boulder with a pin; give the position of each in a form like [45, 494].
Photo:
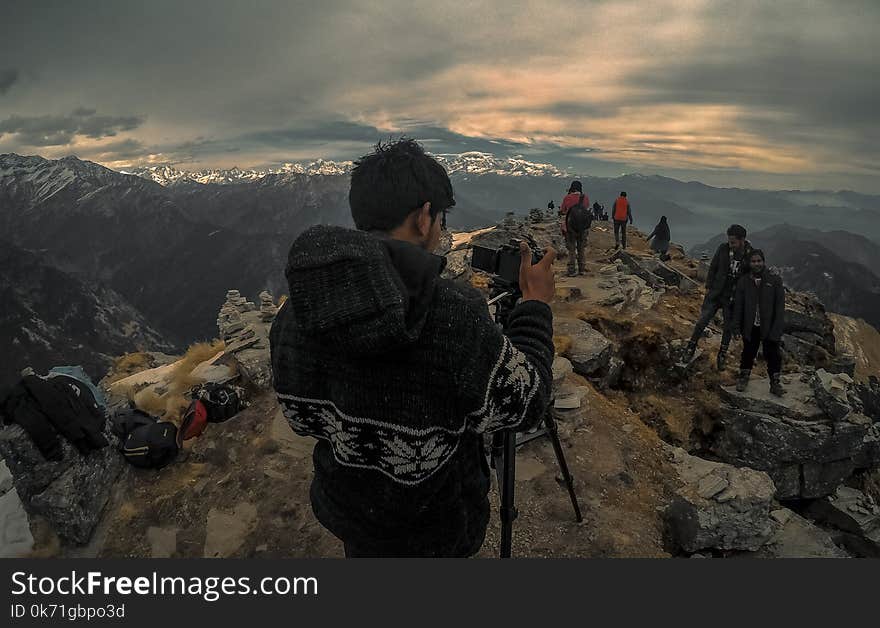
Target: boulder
[589, 351]
[856, 515]
[70, 493]
[804, 451]
[831, 392]
[719, 506]
[635, 265]
[795, 537]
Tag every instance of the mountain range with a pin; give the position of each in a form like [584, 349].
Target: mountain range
[168, 244]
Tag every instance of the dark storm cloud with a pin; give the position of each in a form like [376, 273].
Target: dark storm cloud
[7, 78]
[59, 130]
[328, 79]
[803, 75]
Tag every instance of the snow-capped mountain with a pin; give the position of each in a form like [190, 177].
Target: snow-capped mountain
[485, 163]
[169, 175]
[40, 179]
[455, 164]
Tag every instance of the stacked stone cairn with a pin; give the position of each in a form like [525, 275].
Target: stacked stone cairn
[268, 309]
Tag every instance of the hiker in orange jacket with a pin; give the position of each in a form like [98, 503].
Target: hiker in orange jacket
[575, 228]
[622, 212]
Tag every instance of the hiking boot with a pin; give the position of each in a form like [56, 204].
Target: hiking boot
[570, 273]
[776, 385]
[721, 359]
[582, 271]
[742, 380]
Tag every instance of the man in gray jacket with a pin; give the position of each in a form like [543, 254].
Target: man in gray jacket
[730, 262]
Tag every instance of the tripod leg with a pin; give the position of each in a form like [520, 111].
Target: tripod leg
[550, 424]
[508, 509]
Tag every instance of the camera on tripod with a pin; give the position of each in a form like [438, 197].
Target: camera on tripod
[504, 262]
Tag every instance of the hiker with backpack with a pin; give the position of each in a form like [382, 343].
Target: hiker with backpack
[622, 213]
[731, 261]
[597, 211]
[759, 317]
[661, 238]
[576, 220]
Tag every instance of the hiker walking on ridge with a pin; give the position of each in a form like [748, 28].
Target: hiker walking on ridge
[661, 238]
[576, 220]
[731, 261]
[759, 316]
[622, 214]
[597, 211]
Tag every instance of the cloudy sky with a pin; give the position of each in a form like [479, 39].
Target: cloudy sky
[774, 94]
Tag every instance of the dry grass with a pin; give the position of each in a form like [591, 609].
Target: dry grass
[172, 401]
[129, 364]
[562, 344]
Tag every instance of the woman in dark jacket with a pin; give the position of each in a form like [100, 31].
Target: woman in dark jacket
[661, 237]
[759, 316]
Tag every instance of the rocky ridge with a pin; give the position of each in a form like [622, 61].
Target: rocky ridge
[668, 459]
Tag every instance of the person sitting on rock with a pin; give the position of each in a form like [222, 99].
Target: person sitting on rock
[575, 226]
[398, 372]
[730, 262]
[759, 316]
[662, 237]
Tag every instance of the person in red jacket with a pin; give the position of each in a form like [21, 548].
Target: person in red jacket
[575, 232]
[622, 212]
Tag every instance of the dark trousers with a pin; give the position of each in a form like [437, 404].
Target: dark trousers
[751, 343]
[707, 313]
[576, 244]
[620, 232]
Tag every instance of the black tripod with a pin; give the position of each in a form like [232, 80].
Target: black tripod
[505, 442]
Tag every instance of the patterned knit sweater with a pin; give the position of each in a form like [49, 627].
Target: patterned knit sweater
[397, 373]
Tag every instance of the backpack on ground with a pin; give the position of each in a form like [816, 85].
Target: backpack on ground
[579, 217]
[144, 441]
[221, 401]
[194, 421]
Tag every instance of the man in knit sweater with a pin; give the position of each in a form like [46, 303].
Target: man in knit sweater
[398, 373]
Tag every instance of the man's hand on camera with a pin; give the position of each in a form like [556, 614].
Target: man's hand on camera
[537, 282]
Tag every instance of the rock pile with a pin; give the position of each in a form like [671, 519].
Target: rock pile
[245, 330]
[268, 309]
[230, 320]
[719, 507]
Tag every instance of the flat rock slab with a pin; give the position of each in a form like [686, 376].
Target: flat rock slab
[163, 541]
[795, 537]
[227, 531]
[798, 403]
[719, 506]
